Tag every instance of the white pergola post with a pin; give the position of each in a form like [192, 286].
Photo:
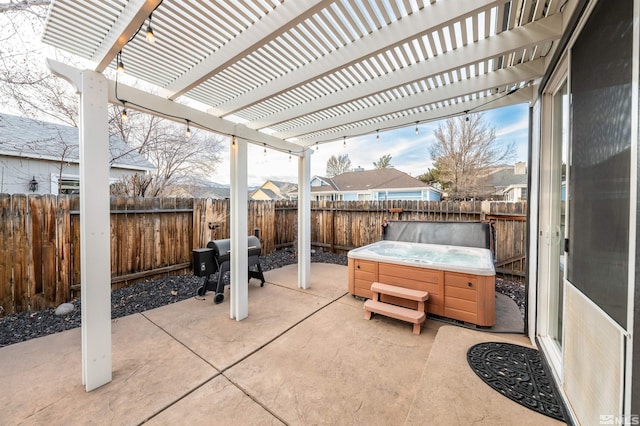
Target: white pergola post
[304, 220]
[239, 309]
[95, 261]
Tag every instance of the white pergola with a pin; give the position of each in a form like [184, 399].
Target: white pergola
[285, 74]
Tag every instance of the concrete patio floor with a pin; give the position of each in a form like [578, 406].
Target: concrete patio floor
[301, 357]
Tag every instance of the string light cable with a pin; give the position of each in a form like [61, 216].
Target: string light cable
[416, 123]
[265, 145]
[189, 122]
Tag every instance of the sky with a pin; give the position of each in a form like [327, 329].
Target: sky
[409, 152]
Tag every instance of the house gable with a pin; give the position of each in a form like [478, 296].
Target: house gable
[27, 138]
[376, 184]
[275, 190]
[48, 153]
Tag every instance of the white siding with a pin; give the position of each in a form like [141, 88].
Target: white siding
[16, 173]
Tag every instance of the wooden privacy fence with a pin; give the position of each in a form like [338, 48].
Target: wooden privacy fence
[152, 237]
[339, 226]
[510, 224]
[40, 245]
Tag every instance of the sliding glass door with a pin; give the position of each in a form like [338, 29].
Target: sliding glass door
[554, 220]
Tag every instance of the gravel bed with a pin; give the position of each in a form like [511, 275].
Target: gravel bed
[146, 295]
[514, 289]
[136, 298]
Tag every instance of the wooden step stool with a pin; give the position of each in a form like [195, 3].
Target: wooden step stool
[374, 305]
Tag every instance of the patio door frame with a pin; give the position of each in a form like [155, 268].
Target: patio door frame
[548, 234]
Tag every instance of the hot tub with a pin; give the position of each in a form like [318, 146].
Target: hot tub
[460, 280]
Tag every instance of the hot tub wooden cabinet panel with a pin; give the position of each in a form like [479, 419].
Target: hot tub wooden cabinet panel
[361, 274]
[429, 280]
[462, 292]
[470, 298]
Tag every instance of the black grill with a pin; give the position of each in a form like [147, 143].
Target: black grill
[215, 259]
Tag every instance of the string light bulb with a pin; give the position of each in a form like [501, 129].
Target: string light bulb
[317, 146]
[344, 141]
[289, 155]
[417, 131]
[123, 114]
[377, 135]
[188, 130]
[120, 67]
[264, 152]
[150, 37]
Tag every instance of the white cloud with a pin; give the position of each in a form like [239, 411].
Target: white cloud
[274, 166]
[515, 128]
[409, 152]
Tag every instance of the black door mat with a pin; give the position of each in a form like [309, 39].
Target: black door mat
[518, 373]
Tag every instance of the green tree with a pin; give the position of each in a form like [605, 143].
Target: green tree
[431, 176]
[383, 162]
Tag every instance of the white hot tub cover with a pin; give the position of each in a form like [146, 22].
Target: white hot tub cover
[467, 260]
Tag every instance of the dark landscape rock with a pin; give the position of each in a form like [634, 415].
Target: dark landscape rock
[514, 289]
[147, 295]
[136, 298]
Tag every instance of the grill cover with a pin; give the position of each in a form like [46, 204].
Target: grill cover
[222, 248]
[254, 246]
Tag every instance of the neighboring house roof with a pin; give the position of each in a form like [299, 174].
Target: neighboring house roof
[505, 177]
[190, 191]
[28, 138]
[268, 193]
[513, 187]
[275, 190]
[326, 184]
[281, 185]
[376, 179]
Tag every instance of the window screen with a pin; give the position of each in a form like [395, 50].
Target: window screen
[600, 157]
[69, 186]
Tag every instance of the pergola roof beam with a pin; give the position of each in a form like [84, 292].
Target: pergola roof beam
[266, 29]
[406, 29]
[132, 17]
[180, 113]
[545, 30]
[501, 78]
[309, 69]
[478, 104]
[171, 110]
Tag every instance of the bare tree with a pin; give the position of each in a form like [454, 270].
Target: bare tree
[383, 162]
[23, 5]
[66, 151]
[338, 165]
[464, 148]
[26, 85]
[132, 186]
[178, 158]
[48, 98]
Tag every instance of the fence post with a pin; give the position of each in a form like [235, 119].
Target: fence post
[7, 300]
[485, 209]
